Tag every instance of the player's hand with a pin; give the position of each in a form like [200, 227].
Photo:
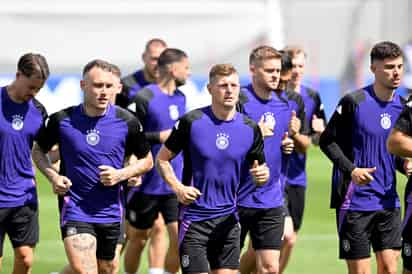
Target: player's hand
[187, 194]
[260, 173]
[264, 128]
[134, 181]
[318, 125]
[407, 166]
[362, 176]
[109, 176]
[287, 144]
[294, 124]
[61, 184]
[163, 135]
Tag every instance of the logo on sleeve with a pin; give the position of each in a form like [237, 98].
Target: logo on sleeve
[17, 122]
[173, 112]
[222, 141]
[269, 120]
[92, 137]
[386, 121]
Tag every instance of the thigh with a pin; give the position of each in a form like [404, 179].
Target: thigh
[354, 234]
[142, 210]
[224, 247]
[80, 245]
[107, 236]
[193, 240]
[296, 204]
[169, 207]
[387, 230]
[23, 226]
[267, 229]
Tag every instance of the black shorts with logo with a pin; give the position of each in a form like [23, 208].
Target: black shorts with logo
[265, 226]
[213, 242]
[143, 209]
[295, 204]
[358, 230]
[21, 224]
[107, 236]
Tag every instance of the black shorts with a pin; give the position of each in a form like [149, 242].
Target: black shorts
[407, 238]
[122, 236]
[264, 225]
[107, 236]
[143, 209]
[295, 204]
[213, 243]
[21, 225]
[359, 229]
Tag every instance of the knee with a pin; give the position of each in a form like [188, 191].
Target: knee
[24, 256]
[290, 239]
[269, 268]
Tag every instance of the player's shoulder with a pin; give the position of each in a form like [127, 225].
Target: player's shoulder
[129, 80]
[193, 115]
[355, 97]
[62, 114]
[39, 106]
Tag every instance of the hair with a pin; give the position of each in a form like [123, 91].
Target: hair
[385, 49]
[98, 63]
[294, 50]
[221, 70]
[170, 56]
[263, 53]
[286, 61]
[155, 41]
[116, 70]
[33, 64]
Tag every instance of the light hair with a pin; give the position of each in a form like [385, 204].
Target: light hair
[221, 70]
[263, 53]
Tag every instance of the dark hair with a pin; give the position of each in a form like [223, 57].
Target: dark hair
[155, 41]
[263, 53]
[104, 65]
[33, 64]
[221, 70]
[294, 50]
[286, 61]
[385, 49]
[170, 56]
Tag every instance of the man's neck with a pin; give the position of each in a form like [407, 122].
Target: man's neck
[384, 94]
[223, 114]
[147, 76]
[262, 93]
[294, 87]
[167, 85]
[12, 93]
[93, 111]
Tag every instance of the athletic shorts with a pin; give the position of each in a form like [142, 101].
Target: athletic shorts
[214, 243]
[407, 238]
[21, 224]
[107, 236]
[265, 227]
[295, 204]
[143, 209]
[358, 230]
[122, 236]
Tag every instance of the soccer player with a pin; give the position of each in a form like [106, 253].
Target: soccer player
[364, 179]
[131, 84]
[147, 75]
[261, 207]
[399, 143]
[95, 138]
[296, 179]
[22, 116]
[158, 106]
[217, 142]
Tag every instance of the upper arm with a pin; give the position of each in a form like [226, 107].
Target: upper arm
[136, 142]
[48, 134]
[180, 136]
[256, 151]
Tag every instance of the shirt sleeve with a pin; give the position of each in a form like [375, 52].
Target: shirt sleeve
[334, 141]
[48, 134]
[180, 136]
[404, 122]
[136, 142]
[256, 151]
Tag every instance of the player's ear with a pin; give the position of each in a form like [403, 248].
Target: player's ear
[373, 67]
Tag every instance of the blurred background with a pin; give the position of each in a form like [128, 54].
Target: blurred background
[337, 36]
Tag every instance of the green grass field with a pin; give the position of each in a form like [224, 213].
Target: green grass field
[316, 250]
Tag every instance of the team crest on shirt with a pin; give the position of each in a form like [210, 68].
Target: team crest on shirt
[269, 120]
[386, 121]
[173, 112]
[93, 137]
[346, 245]
[17, 122]
[185, 261]
[222, 140]
[407, 251]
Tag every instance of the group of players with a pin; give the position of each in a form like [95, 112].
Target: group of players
[222, 172]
